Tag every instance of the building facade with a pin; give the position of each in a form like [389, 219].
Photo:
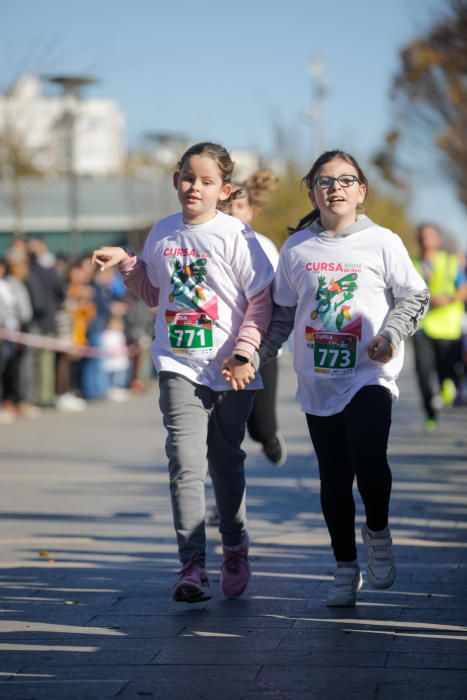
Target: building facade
[45, 124]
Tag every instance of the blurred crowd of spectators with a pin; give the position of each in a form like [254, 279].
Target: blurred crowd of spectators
[69, 334]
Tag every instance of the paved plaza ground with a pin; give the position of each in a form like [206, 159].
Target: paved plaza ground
[88, 557]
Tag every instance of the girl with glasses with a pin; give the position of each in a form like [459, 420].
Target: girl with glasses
[350, 293]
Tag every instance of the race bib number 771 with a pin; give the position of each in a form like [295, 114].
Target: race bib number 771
[191, 333]
[185, 337]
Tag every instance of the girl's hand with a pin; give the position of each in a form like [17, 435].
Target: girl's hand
[380, 349]
[108, 256]
[238, 374]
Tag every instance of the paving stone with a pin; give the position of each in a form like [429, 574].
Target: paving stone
[229, 632]
[430, 690]
[246, 606]
[448, 617]
[301, 678]
[441, 660]
[248, 691]
[60, 690]
[183, 688]
[277, 657]
[337, 640]
[147, 673]
[14, 660]
[134, 626]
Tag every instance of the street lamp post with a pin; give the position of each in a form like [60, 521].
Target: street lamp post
[315, 114]
[71, 86]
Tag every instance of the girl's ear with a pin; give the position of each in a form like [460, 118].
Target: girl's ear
[362, 193]
[225, 193]
[176, 177]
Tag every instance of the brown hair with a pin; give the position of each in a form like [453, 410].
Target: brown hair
[310, 177]
[257, 189]
[219, 155]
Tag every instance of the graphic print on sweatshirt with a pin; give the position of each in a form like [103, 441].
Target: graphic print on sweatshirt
[333, 334]
[190, 321]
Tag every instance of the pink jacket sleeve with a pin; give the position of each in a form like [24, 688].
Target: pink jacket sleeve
[255, 324]
[133, 271]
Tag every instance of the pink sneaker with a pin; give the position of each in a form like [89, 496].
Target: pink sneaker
[192, 582]
[235, 570]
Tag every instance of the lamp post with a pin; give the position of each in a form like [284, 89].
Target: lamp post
[71, 86]
[320, 89]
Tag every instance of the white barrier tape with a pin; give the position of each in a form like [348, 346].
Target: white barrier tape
[34, 340]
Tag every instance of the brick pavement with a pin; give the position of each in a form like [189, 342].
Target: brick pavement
[88, 558]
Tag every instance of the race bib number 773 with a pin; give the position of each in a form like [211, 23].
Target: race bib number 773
[334, 354]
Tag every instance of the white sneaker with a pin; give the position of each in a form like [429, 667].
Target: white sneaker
[70, 403]
[380, 568]
[343, 592]
[29, 410]
[7, 417]
[118, 394]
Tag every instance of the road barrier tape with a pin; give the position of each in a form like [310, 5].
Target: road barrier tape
[64, 345]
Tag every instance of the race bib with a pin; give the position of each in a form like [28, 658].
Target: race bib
[191, 333]
[334, 354]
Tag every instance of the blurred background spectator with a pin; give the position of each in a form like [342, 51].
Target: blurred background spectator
[438, 341]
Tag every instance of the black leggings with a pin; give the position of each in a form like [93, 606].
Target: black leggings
[262, 423]
[354, 443]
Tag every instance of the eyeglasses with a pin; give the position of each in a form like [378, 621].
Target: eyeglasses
[326, 181]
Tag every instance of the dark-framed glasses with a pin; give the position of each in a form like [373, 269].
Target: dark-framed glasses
[325, 181]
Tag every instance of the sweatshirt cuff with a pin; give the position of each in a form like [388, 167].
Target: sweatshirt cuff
[129, 263]
[244, 348]
[255, 361]
[391, 336]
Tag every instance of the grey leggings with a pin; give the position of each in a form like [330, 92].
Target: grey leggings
[204, 428]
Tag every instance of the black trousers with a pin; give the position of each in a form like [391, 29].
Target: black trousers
[262, 423]
[12, 388]
[435, 361]
[353, 443]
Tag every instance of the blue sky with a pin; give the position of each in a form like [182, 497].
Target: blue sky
[236, 72]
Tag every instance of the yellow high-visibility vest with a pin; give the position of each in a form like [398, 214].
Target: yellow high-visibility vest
[444, 322]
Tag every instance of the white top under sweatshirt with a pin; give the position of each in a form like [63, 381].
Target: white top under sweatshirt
[206, 274]
[344, 288]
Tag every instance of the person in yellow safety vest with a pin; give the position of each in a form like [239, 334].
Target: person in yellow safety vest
[437, 343]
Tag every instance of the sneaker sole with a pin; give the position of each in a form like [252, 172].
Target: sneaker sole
[380, 583]
[189, 593]
[349, 604]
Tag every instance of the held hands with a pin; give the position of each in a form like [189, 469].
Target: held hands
[238, 374]
[108, 256]
[380, 349]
